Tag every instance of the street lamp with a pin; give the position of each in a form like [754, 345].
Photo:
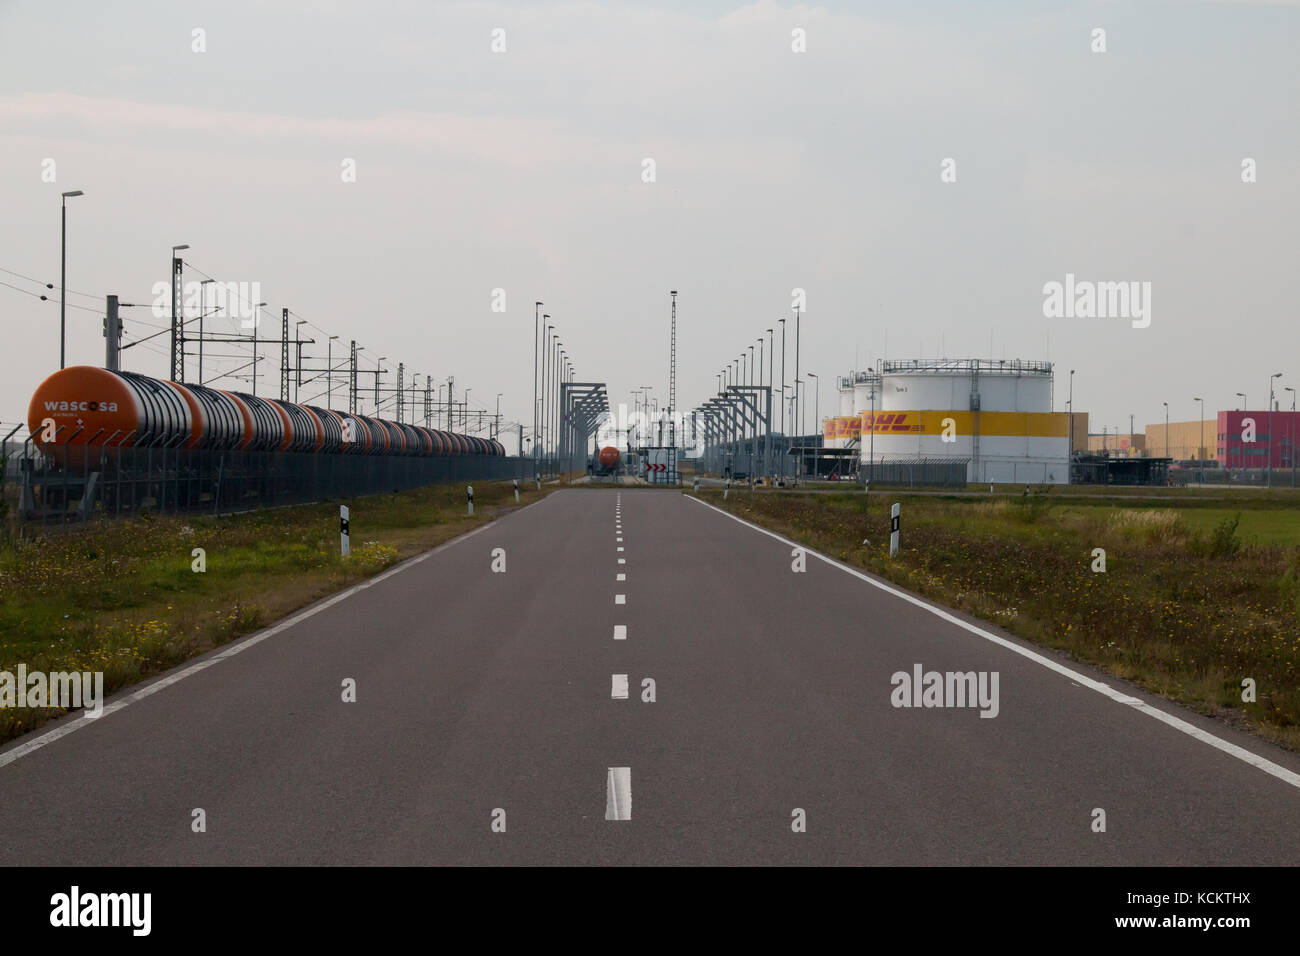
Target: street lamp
[257, 322]
[496, 425]
[1241, 451]
[203, 308]
[1070, 405]
[536, 356]
[1167, 452]
[817, 412]
[63, 272]
[1269, 478]
[1201, 451]
[1288, 388]
[329, 373]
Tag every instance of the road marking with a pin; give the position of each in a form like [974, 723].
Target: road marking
[620, 598]
[620, 632]
[620, 540]
[1233, 750]
[622, 560]
[620, 549]
[618, 794]
[76, 723]
[618, 687]
[620, 577]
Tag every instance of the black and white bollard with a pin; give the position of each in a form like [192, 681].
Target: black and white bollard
[345, 539]
[727, 490]
[894, 524]
[695, 485]
[516, 491]
[469, 493]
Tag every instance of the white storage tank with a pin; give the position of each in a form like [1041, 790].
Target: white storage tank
[997, 415]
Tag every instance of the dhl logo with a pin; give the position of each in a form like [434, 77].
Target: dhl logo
[888, 422]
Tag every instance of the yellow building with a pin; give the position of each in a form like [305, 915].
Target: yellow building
[1117, 444]
[1187, 440]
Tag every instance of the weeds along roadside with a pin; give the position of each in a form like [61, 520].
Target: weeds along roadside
[124, 598]
[1186, 613]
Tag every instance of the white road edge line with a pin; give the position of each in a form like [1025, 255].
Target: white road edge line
[243, 644]
[1241, 753]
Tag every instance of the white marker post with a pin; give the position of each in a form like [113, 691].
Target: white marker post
[894, 522]
[516, 491]
[345, 539]
[727, 490]
[469, 492]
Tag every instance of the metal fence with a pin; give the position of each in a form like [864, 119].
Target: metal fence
[108, 482]
[917, 473]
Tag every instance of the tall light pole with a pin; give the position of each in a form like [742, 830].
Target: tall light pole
[176, 370]
[1168, 453]
[1200, 453]
[1292, 448]
[203, 308]
[798, 417]
[257, 322]
[1070, 405]
[496, 426]
[537, 306]
[1269, 479]
[63, 273]
[771, 359]
[1241, 452]
[817, 411]
[785, 440]
[329, 373]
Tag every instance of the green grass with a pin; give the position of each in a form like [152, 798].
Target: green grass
[123, 598]
[1195, 596]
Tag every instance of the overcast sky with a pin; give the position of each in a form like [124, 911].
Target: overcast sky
[775, 170]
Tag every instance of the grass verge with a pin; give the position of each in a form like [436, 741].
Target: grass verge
[1185, 608]
[123, 597]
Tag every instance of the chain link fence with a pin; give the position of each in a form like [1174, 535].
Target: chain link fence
[114, 481]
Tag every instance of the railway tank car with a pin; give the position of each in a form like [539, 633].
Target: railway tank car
[91, 407]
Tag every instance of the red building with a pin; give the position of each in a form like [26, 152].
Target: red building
[1275, 432]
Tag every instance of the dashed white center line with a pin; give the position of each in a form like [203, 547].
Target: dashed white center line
[620, 632]
[621, 577]
[618, 794]
[620, 540]
[618, 687]
[620, 549]
[620, 598]
[622, 560]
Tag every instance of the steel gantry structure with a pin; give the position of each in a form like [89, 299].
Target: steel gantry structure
[583, 407]
[737, 414]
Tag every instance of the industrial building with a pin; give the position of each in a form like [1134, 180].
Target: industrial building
[995, 415]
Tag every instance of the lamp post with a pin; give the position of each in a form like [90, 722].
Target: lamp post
[536, 356]
[1241, 452]
[1070, 404]
[1200, 453]
[817, 412]
[1291, 449]
[767, 445]
[784, 439]
[1168, 454]
[329, 373]
[203, 309]
[1269, 478]
[63, 273]
[257, 322]
[464, 411]
[496, 426]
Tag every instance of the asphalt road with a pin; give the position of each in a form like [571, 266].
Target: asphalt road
[478, 691]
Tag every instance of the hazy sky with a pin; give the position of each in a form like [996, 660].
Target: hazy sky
[775, 170]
